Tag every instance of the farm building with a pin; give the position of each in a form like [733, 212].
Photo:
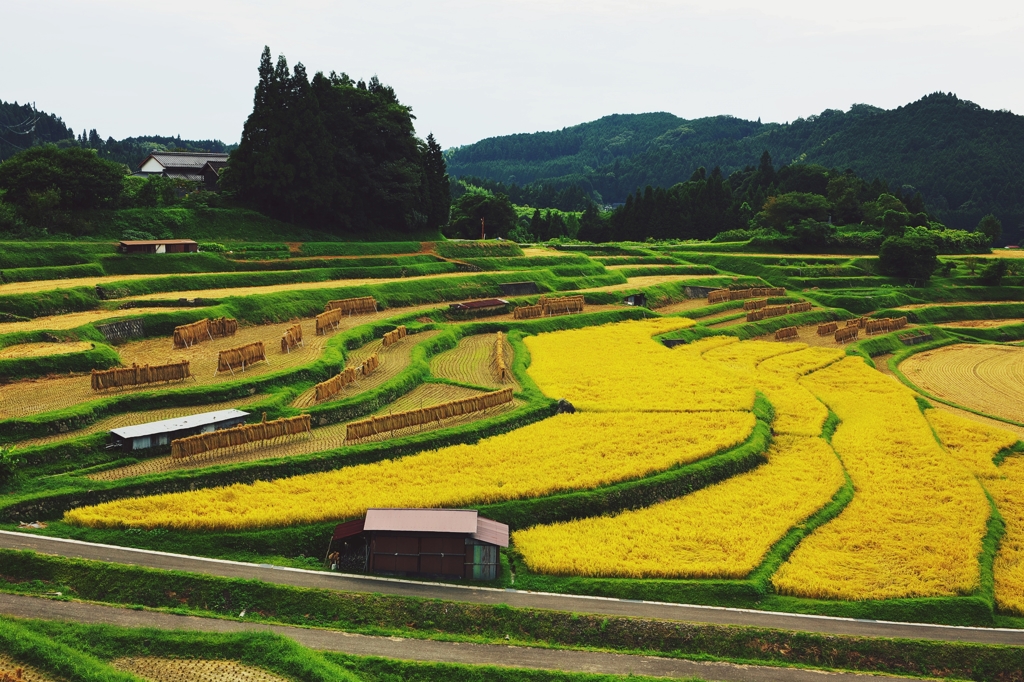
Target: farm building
[450, 543]
[155, 434]
[479, 305]
[196, 167]
[158, 246]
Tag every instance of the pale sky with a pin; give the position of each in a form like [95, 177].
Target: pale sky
[476, 69]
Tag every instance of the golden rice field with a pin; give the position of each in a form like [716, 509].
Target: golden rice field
[723, 531]
[320, 439]
[393, 359]
[566, 452]
[984, 377]
[619, 368]
[972, 444]
[472, 362]
[132, 418]
[916, 521]
[774, 369]
[72, 320]
[192, 670]
[36, 350]
[28, 673]
[1009, 563]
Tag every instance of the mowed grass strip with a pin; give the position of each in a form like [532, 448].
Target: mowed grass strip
[472, 362]
[984, 377]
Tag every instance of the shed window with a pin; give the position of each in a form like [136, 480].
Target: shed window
[485, 562]
[141, 443]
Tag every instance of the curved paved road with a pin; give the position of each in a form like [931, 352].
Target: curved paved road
[479, 595]
[429, 650]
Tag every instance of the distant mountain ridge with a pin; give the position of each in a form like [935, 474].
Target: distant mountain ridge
[965, 160]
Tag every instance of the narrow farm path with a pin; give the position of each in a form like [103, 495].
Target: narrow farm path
[424, 649]
[479, 595]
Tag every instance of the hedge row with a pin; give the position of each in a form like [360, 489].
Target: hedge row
[409, 616]
[357, 248]
[100, 356]
[477, 249]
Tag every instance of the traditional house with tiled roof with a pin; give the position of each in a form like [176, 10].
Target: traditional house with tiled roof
[199, 167]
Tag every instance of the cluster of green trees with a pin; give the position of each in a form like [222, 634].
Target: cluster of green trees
[962, 159]
[336, 153]
[799, 207]
[571, 198]
[43, 189]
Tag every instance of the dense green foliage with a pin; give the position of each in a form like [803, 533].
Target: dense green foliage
[958, 155]
[23, 126]
[334, 152]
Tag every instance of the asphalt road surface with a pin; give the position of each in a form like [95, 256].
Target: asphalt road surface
[535, 600]
[428, 650]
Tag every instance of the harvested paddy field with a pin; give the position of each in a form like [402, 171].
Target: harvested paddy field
[587, 310]
[472, 362]
[72, 320]
[35, 350]
[193, 670]
[808, 334]
[118, 421]
[682, 306]
[28, 674]
[393, 359]
[53, 284]
[34, 396]
[319, 439]
[639, 282]
[954, 304]
[988, 378]
[882, 365]
[297, 286]
[981, 324]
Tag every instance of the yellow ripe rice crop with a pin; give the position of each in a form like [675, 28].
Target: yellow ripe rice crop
[722, 531]
[774, 368]
[971, 443]
[1009, 563]
[915, 524]
[619, 367]
[566, 452]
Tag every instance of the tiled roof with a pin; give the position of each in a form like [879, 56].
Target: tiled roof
[196, 160]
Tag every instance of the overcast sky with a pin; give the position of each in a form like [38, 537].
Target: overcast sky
[475, 69]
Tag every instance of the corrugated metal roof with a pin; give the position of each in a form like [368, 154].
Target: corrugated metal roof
[184, 159]
[485, 303]
[146, 242]
[422, 520]
[494, 532]
[348, 529]
[466, 521]
[179, 424]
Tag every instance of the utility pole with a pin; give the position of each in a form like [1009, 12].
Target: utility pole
[483, 230]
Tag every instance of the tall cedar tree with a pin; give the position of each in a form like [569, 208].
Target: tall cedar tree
[337, 154]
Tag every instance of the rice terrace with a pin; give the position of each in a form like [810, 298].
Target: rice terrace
[639, 398]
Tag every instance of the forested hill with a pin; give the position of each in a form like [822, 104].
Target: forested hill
[22, 126]
[965, 160]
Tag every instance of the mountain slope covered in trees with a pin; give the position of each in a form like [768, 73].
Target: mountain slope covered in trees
[965, 160]
[22, 126]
